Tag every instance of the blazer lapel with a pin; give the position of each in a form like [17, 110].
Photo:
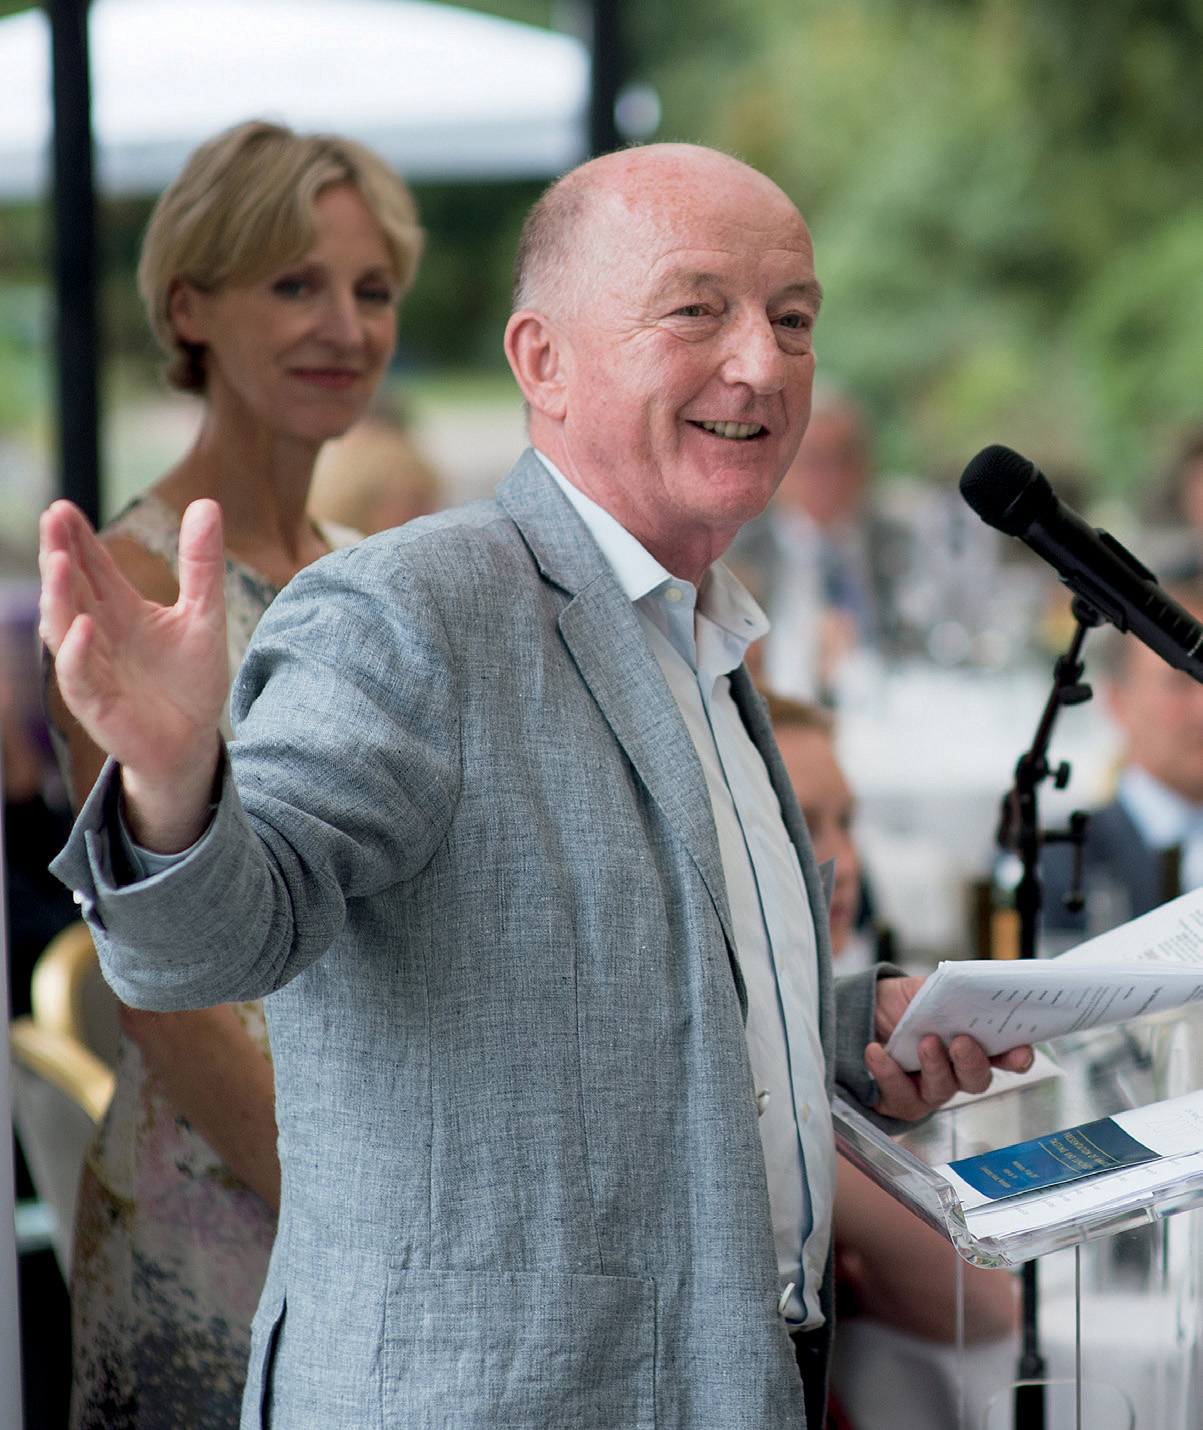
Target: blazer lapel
[607, 643]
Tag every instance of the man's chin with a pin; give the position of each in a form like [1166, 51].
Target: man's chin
[741, 496]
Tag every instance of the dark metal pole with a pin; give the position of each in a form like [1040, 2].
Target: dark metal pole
[606, 75]
[75, 266]
[1019, 830]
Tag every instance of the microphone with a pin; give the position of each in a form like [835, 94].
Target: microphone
[1009, 493]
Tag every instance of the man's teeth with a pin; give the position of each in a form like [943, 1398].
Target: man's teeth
[740, 430]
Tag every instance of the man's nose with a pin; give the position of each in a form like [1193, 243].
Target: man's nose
[755, 359]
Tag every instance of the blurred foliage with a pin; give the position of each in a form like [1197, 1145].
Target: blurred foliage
[456, 313]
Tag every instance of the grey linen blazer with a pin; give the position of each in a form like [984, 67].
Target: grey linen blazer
[464, 844]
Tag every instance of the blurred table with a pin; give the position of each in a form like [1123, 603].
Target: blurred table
[930, 753]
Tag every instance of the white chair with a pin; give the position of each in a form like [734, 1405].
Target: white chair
[60, 1092]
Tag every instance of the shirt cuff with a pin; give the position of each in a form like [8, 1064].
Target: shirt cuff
[146, 863]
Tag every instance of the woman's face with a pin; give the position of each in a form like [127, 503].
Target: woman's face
[299, 353]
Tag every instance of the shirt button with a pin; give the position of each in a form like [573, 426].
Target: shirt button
[806, 1112]
[783, 1299]
[762, 1101]
[673, 593]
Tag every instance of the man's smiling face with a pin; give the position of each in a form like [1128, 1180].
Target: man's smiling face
[688, 355]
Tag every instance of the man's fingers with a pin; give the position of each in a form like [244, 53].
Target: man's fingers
[56, 610]
[970, 1064]
[95, 575]
[938, 1078]
[897, 1093]
[75, 666]
[60, 600]
[1017, 1060]
[201, 557]
[963, 1067]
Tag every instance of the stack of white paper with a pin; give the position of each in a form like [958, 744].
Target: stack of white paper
[1151, 964]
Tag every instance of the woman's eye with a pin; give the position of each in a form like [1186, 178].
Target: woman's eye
[290, 286]
[377, 294]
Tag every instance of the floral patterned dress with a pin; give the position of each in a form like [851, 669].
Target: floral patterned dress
[171, 1248]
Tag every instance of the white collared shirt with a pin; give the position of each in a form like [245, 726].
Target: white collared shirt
[699, 636]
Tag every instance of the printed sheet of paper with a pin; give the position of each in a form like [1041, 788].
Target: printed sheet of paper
[1150, 964]
[1172, 933]
[1170, 1129]
[1004, 1005]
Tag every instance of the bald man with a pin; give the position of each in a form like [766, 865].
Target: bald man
[507, 843]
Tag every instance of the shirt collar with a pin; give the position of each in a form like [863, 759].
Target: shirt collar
[1162, 816]
[721, 598]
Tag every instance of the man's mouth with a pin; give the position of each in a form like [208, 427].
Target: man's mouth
[737, 431]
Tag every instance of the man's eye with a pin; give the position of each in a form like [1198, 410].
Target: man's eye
[691, 310]
[795, 320]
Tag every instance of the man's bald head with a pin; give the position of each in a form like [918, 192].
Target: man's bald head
[662, 337]
[576, 228]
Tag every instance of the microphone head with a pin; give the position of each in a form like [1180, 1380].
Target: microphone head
[1006, 490]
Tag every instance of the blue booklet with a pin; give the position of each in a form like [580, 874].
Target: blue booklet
[1060, 1157]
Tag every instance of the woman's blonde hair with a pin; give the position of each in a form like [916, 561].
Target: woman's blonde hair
[243, 205]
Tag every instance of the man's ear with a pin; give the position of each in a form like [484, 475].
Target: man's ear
[537, 355]
[185, 304]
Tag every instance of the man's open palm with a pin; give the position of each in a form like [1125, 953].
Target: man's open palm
[146, 682]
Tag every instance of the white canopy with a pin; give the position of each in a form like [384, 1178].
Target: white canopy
[441, 92]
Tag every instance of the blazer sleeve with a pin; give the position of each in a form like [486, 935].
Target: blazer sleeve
[855, 1001]
[342, 781]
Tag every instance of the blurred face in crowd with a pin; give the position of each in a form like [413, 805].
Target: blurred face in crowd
[827, 478]
[683, 363]
[1160, 711]
[300, 352]
[829, 809]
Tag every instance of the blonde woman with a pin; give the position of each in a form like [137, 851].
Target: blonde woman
[271, 272]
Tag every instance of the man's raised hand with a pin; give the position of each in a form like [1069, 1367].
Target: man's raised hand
[146, 682]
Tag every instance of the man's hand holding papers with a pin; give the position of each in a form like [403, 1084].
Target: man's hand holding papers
[1153, 963]
[942, 1067]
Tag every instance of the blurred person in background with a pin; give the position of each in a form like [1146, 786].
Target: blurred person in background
[271, 272]
[374, 477]
[1146, 846]
[895, 1276]
[820, 560]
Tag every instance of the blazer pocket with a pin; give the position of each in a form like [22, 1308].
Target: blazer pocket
[493, 1349]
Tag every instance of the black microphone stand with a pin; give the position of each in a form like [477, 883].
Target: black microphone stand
[1019, 831]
